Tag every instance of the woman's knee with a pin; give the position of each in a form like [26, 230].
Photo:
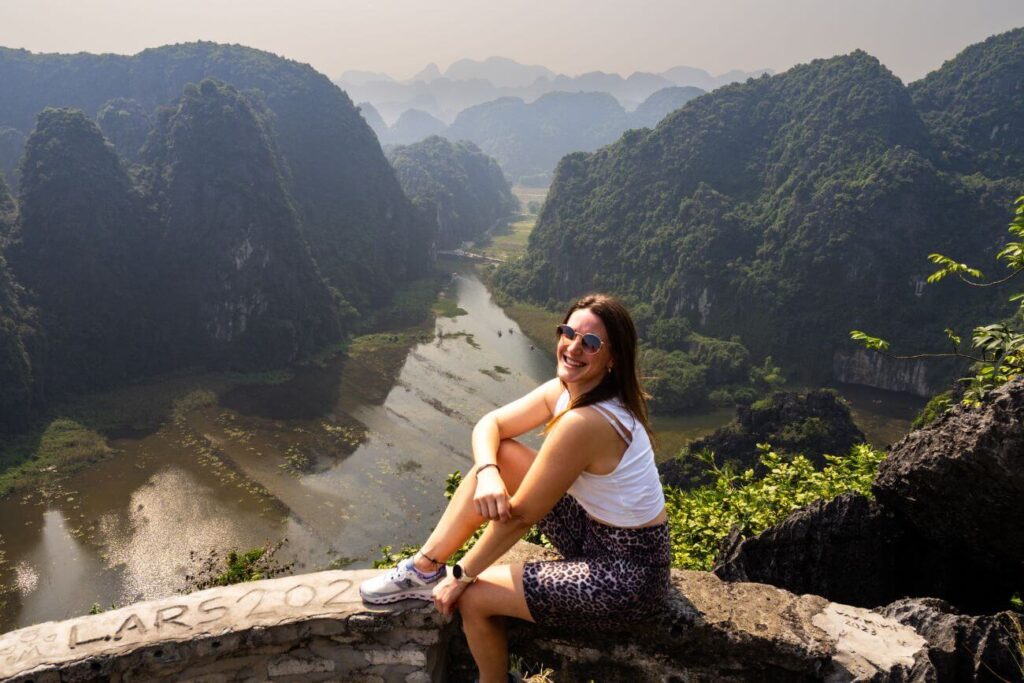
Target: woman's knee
[514, 459]
[473, 604]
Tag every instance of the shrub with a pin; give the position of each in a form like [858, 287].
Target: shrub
[700, 518]
[254, 564]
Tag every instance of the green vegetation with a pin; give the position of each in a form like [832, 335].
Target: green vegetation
[142, 275]
[508, 241]
[700, 518]
[935, 408]
[998, 354]
[445, 307]
[39, 461]
[530, 198]
[964, 101]
[783, 209]
[457, 184]
[469, 337]
[254, 564]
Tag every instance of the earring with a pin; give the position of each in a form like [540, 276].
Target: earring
[609, 369]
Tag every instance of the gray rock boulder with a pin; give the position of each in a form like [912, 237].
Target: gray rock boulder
[813, 550]
[960, 482]
[960, 647]
[852, 550]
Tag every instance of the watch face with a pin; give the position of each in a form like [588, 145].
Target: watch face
[457, 572]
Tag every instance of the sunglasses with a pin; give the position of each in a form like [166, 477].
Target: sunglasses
[591, 342]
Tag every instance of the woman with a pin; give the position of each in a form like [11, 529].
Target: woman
[592, 488]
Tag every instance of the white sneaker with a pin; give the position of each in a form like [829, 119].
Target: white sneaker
[401, 583]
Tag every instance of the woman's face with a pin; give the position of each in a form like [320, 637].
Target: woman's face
[575, 366]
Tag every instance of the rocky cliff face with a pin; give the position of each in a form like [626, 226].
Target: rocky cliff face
[240, 286]
[874, 370]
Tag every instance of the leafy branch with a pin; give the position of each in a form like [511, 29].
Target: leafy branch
[999, 347]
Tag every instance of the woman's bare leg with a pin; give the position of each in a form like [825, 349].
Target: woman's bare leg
[484, 607]
[460, 518]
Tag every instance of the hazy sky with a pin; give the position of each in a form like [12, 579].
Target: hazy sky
[399, 37]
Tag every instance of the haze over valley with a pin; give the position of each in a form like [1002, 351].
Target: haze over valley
[242, 302]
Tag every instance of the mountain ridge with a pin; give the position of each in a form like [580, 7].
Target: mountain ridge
[800, 197]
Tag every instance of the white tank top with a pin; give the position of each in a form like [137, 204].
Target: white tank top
[631, 494]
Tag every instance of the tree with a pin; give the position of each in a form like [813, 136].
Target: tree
[998, 354]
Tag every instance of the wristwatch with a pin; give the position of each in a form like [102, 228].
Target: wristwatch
[461, 576]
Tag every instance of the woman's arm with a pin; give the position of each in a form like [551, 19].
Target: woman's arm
[569, 449]
[509, 421]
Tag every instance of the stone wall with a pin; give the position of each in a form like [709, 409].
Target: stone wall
[314, 628]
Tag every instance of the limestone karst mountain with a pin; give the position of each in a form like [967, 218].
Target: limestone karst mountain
[787, 210]
[972, 105]
[412, 126]
[238, 286]
[467, 82]
[361, 228]
[84, 251]
[529, 139]
[457, 183]
[660, 104]
[17, 334]
[125, 124]
[257, 221]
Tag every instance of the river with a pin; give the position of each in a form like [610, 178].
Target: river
[311, 460]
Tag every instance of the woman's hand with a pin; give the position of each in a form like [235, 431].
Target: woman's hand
[446, 595]
[491, 496]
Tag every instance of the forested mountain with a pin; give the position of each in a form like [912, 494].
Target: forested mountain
[18, 390]
[529, 139]
[374, 120]
[238, 286]
[660, 104]
[84, 252]
[412, 126]
[973, 105]
[787, 210]
[456, 182]
[257, 217]
[363, 232]
[12, 144]
[125, 123]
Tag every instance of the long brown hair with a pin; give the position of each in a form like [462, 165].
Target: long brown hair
[623, 382]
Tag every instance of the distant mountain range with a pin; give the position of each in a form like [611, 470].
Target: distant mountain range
[528, 139]
[469, 82]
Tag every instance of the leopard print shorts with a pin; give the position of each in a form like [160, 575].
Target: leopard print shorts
[608, 575]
